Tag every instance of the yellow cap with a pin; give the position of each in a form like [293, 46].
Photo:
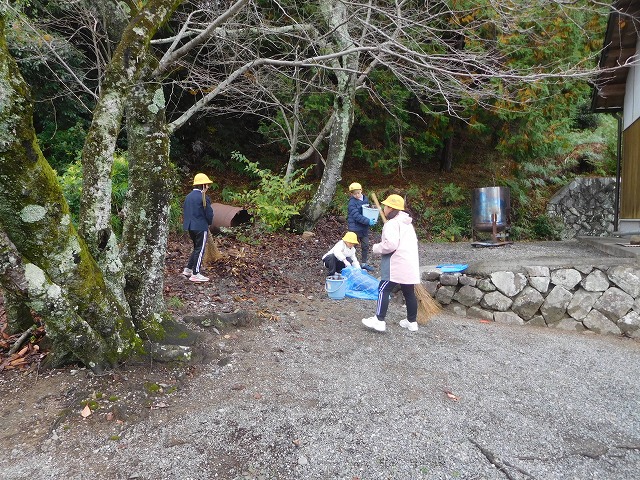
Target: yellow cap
[350, 237]
[201, 179]
[394, 201]
[355, 186]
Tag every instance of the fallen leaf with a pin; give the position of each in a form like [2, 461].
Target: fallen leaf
[485, 321]
[451, 395]
[18, 361]
[86, 411]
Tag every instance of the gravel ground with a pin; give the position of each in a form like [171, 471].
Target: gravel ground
[319, 397]
[312, 394]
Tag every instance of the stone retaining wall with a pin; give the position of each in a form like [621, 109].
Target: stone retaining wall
[585, 206]
[602, 299]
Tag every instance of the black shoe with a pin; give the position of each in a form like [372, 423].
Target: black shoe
[368, 268]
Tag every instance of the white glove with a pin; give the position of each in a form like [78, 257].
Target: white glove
[346, 263]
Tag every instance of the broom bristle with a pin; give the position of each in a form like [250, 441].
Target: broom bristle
[427, 305]
[211, 252]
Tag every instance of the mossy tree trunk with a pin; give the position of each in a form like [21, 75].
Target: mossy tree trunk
[336, 16]
[19, 315]
[76, 282]
[44, 264]
[145, 229]
[124, 70]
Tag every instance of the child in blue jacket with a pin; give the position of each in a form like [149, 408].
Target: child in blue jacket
[197, 217]
[357, 222]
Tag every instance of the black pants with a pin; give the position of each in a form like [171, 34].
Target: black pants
[333, 264]
[199, 240]
[364, 246]
[384, 293]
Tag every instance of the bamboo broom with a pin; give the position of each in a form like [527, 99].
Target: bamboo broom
[427, 305]
[211, 252]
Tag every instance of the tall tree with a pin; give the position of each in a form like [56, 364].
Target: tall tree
[89, 286]
[43, 261]
[345, 68]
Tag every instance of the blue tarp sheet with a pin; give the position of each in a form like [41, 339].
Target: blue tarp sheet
[452, 267]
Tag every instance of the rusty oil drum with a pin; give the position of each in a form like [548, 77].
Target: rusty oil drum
[489, 201]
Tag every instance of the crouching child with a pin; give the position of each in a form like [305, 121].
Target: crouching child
[343, 254]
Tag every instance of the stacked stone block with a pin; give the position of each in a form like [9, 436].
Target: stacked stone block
[603, 300]
[585, 206]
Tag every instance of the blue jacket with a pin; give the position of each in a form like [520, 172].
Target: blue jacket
[195, 216]
[356, 221]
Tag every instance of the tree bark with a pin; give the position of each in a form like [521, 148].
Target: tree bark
[291, 164]
[446, 157]
[151, 182]
[335, 13]
[97, 156]
[19, 316]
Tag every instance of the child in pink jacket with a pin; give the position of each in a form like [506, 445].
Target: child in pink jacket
[399, 265]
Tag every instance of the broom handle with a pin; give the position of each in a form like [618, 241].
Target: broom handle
[375, 200]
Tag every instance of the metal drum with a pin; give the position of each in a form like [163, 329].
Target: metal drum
[491, 205]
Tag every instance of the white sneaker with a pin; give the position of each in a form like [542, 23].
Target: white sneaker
[373, 322]
[411, 326]
[198, 277]
[187, 272]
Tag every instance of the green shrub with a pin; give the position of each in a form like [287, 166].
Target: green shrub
[446, 224]
[541, 227]
[547, 228]
[71, 183]
[119, 188]
[340, 202]
[175, 214]
[273, 201]
[62, 147]
[451, 194]
[228, 193]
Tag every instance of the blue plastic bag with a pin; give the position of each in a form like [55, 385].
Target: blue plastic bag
[360, 284]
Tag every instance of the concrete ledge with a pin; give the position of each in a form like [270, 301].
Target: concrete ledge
[611, 246]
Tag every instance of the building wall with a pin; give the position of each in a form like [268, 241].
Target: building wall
[630, 188]
[631, 110]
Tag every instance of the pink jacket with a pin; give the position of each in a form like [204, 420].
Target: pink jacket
[399, 250]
